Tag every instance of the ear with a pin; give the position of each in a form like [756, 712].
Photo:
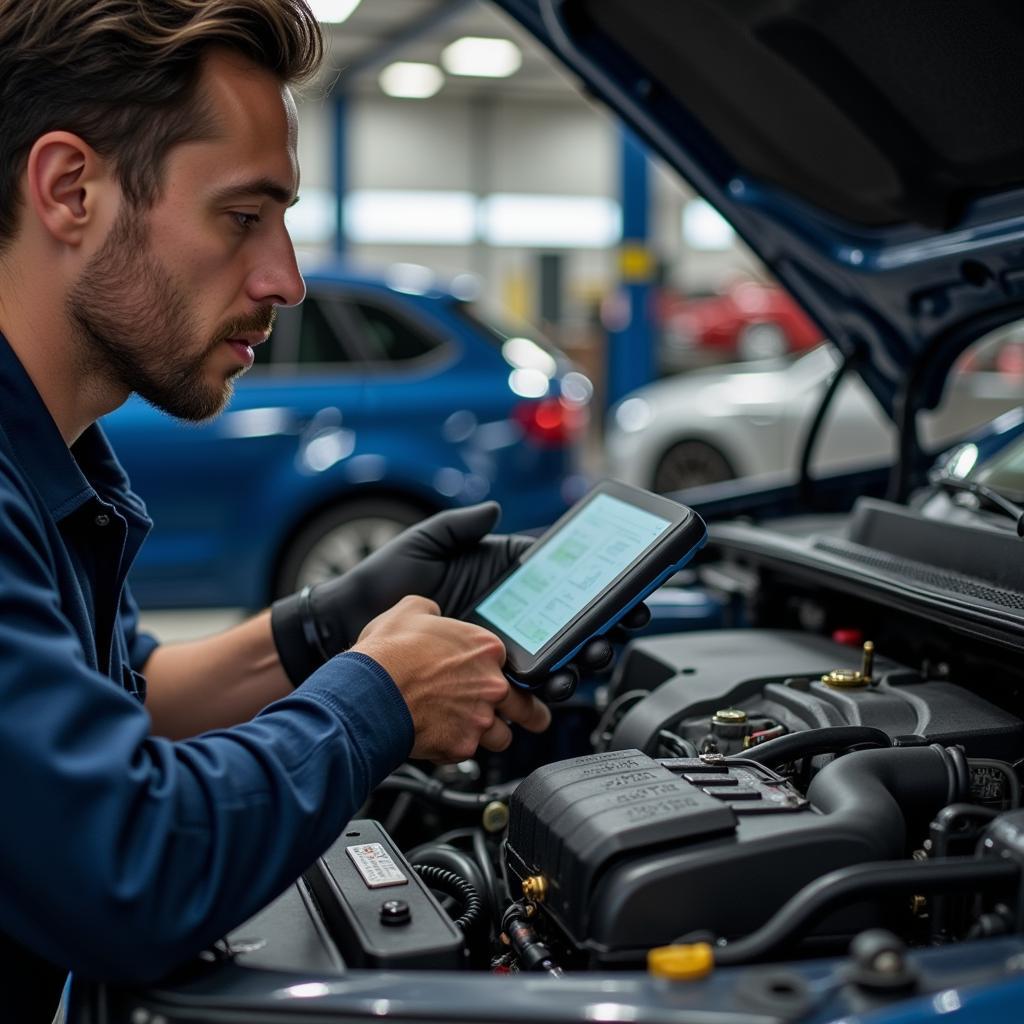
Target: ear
[66, 181]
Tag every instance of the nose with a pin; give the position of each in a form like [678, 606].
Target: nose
[275, 279]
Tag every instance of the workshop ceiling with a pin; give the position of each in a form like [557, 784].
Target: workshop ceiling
[381, 31]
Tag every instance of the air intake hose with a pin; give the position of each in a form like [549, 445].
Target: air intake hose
[876, 793]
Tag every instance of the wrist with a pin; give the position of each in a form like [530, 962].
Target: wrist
[293, 625]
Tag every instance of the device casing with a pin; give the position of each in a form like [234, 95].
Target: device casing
[662, 560]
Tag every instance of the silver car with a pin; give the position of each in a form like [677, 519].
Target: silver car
[750, 419]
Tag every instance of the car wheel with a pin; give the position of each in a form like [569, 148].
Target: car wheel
[690, 464]
[762, 341]
[340, 538]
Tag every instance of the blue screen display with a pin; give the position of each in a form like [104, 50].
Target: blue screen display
[570, 569]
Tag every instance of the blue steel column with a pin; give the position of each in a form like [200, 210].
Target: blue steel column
[631, 357]
[339, 124]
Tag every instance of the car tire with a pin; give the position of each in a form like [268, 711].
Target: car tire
[338, 539]
[690, 464]
[766, 340]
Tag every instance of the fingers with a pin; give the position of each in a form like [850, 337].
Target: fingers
[560, 685]
[461, 527]
[497, 738]
[596, 655]
[524, 709]
[636, 618]
[413, 603]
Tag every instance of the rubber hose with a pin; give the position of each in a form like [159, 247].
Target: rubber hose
[874, 793]
[811, 742]
[824, 894]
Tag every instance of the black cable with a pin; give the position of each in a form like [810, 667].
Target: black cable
[811, 438]
[985, 495]
[812, 742]
[483, 858]
[434, 790]
[905, 410]
[602, 732]
[676, 745]
[459, 889]
[815, 900]
[533, 954]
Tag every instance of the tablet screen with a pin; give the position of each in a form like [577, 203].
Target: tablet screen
[569, 570]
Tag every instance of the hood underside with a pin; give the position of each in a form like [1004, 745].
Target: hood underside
[870, 151]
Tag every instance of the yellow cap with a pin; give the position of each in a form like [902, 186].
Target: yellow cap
[682, 963]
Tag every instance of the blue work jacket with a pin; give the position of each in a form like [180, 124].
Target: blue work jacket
[123, 854]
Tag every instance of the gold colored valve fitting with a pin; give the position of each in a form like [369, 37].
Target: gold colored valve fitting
[689, 962]
[847, 678]
[535, 888]
[730, 716]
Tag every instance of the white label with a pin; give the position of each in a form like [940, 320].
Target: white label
[374, 863]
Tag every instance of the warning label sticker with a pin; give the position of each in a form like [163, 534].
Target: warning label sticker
[374, 863]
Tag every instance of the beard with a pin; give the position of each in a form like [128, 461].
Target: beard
[136, 328]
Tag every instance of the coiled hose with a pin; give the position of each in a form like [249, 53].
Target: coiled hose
[459, 889]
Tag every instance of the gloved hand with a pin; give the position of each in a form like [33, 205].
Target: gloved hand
[449, 558]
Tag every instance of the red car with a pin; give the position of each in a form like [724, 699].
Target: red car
[747, 321]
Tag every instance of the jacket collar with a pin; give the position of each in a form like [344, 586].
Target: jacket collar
[65, 477]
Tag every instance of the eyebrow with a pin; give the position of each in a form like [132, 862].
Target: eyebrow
[257, 187]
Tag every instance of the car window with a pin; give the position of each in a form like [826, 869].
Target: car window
[388, 338]
[319, 334]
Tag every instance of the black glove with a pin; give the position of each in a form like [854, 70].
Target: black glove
[449, 558]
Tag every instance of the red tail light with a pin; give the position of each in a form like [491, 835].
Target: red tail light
[551, 422]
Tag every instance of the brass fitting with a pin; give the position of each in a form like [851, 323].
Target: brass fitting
[535, 888]
[730, 716]
[847, 678]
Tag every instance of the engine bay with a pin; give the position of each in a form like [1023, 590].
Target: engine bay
[833, 775]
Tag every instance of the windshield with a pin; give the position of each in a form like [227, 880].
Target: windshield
[1004, 472]
[501, 328]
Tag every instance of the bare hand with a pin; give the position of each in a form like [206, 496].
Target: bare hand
[449, 673]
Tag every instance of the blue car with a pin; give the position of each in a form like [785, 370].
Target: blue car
[372, 405]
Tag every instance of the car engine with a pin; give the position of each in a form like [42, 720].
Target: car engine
[835, 773]
[843, 762]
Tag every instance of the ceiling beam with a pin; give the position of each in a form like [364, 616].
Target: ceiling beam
[393, 44]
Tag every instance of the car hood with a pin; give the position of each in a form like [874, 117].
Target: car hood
[869, 151]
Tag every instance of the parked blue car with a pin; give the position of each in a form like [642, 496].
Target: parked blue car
[372, 405]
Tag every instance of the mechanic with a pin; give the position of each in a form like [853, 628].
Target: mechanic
[148, 157]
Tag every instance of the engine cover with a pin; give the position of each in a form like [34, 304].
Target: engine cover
[775, 675]
[636, 852]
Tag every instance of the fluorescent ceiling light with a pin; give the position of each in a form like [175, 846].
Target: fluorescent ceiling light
[559, 222]
[705, 228]
[332, 12]
[311, 220]
[393, 215]
[482, 57]
[409, 80]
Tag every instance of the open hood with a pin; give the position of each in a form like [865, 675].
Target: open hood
[871, 152]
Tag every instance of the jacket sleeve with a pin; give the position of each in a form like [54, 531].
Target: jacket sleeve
[125, 854]
[140, 645]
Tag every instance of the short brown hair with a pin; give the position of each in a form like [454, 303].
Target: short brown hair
[123, 75]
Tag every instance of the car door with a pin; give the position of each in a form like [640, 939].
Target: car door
[222, 493]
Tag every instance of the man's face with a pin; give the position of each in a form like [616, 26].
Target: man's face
[173, 300]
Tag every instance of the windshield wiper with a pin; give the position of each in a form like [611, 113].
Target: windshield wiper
[987, 496]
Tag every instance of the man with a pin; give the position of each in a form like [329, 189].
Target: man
[147, 157]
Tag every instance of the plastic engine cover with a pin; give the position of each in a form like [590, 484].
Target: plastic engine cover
[636, 852]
